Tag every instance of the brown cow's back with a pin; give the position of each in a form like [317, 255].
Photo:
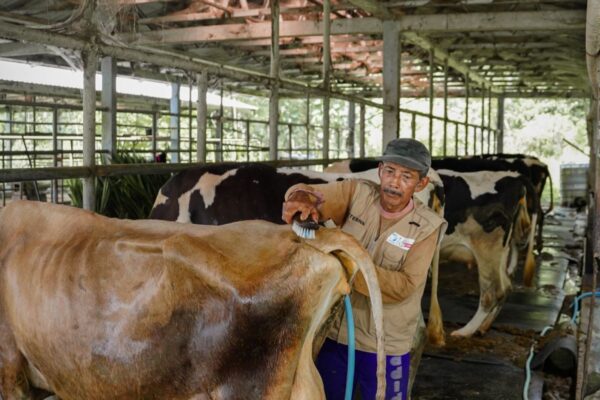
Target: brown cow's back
[105, 308]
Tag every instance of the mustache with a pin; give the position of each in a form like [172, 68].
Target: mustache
[392, 191]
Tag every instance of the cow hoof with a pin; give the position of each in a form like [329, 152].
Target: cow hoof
[461, 333]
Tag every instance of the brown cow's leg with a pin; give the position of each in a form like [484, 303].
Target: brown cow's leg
[13, 381]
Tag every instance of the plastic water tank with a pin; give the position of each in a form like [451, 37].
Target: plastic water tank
[573, 183]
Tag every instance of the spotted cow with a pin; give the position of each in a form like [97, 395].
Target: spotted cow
[524, 234]
[489, 219]
[99, 308]
[217, 194]
[484, 209]
[538, 174]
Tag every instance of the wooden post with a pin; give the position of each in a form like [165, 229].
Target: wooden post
[175, 110]
[274, 73]
[201, 114]
[413, 125]
[362, 130]
[109, 103]
[325, 73]
[431, 94]
[90, 61]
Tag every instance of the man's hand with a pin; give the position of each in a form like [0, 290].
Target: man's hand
[303, 202]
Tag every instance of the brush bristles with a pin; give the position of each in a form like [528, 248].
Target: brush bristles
[305, 233]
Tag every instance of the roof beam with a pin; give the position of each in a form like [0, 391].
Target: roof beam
[446, 23]
[18, 49]
[441, 55]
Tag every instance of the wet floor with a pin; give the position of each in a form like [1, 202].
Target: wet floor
[492, 366]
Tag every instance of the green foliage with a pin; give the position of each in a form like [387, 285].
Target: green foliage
[129, 196]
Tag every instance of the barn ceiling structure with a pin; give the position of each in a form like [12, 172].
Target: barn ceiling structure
[366, 52]
[511, 47]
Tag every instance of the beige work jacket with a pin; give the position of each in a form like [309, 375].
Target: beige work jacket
[402, 254]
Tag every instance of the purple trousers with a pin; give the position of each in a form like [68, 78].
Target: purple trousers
[332, 363]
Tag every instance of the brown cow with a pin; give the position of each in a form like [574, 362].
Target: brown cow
[100, 308]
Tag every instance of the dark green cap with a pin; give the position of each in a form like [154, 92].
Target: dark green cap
[409, 153]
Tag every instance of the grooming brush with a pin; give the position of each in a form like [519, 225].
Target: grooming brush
[305, 229]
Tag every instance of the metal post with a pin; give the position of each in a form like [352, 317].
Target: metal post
[413, 125]
[362, 130]
[90, 60]
[307, 126]
[351, 124]
[482, 119]
[431, 94]
[456, 139]
[247, 140]
[489, 119]
[109, 103]
[474, 139]
[274, 73]
[290, 147]
[174, 110]
[201, 114]
[190, 134]
[466, 114]
[444, 152]
[391, 81]
[500, 125]
[34, 131]
[325, 73]
[154, 133]
[54, 153]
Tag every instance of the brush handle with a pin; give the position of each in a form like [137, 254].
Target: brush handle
[307, 223]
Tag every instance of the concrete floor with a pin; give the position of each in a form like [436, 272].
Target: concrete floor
[492, 366]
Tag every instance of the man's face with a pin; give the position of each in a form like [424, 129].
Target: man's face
[398, 184]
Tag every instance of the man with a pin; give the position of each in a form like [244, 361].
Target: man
[401, 234]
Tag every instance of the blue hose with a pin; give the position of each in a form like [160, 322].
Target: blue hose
[576, 303]
[546, 329]
[351, 348]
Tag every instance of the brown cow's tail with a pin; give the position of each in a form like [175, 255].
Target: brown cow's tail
[355, 258]
[435, 325]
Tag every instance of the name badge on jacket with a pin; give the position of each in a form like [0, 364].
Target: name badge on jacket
[400, 241]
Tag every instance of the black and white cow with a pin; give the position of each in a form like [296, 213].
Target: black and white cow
[538, 174]
[484, 209]
[523, 235]
[488, 219]
[216, 194]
